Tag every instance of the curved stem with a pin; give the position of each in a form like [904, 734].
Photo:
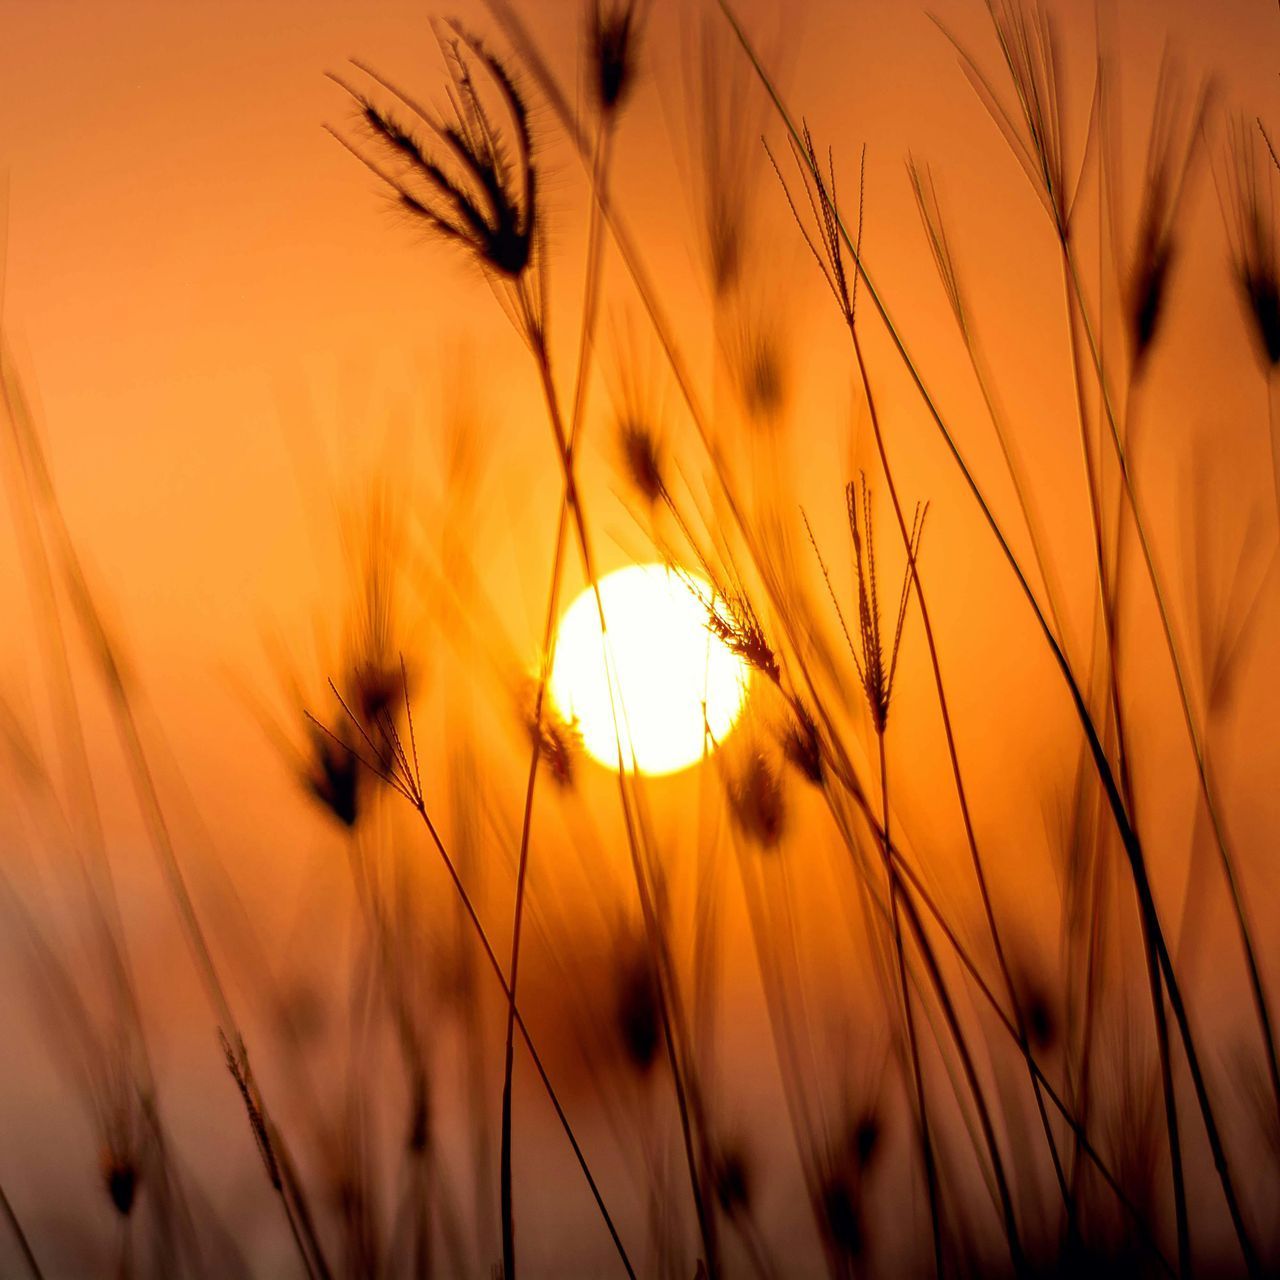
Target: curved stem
[20, 1236]
[1108, 603]
[590, 308]
[1128, 834]
[1230, 875]
[491, 956]
[997, 1162]
[922, 1110]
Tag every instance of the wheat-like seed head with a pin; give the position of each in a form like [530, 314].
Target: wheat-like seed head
[613, 36]
[477, 185]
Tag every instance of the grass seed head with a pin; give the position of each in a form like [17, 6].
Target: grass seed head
[333, 776]
[475, 185]
[877, 661]
[864, 1139]
[801, 746]
[758, 362]
[731, 1177]
[729, 115]
[559, 740]
[1041, 1018]
[418, 1130]
[559, 743]
[1255, 250]
[613, 39]
[120, 1176]
[840, 1211]
[636, 1007]
[758, 802]
[1171, 153]
[733, 621]
[1147, 293]
[377, 690]
[642, 458]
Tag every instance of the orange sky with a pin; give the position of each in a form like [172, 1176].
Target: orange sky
[223, 326]
[190, 257]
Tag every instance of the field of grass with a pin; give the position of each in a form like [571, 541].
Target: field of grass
[957, 956]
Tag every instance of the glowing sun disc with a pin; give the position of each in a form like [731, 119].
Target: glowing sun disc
[666, 666]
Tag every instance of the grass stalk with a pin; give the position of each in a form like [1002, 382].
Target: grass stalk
[840, 770]
[1132, 845]
[24, 1245]
[39, 482]
[635, 267]
[589, 312]
[997, 1163]
[1108, 605]
[922, 1111]
[1230, 875]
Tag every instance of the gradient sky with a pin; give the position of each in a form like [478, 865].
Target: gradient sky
[224, 328]
[188, 249]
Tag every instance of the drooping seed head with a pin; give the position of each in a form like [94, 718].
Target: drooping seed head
[476, 186]
[734, 622]
[802, 747]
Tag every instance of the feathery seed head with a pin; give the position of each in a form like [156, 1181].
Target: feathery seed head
[641, 456]
[731, 1175]
[377, 690]
[1171, 152]
[1255, 246]
[333, 776]
[613, 37]
[758, 803]
[637, 1017]
[733, 621]
[559, 740]
[758, 363]
[120, 1176]
[802, 747]
[1037, 1005]
[840, 1212]
[823, 232]
[1147, 292]
[864, 1139]
[419, 1127]
[877, 663]
[728, 116]
[476, 184]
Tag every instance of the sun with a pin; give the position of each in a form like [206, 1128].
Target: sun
[677, 687]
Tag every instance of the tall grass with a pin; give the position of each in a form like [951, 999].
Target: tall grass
[924, 1073]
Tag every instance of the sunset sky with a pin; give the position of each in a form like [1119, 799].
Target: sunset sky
[210, 298]
[230, 337]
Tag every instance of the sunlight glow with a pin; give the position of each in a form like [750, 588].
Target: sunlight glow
[665, 662]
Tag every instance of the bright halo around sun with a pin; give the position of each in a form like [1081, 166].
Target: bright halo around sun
[679, 688]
